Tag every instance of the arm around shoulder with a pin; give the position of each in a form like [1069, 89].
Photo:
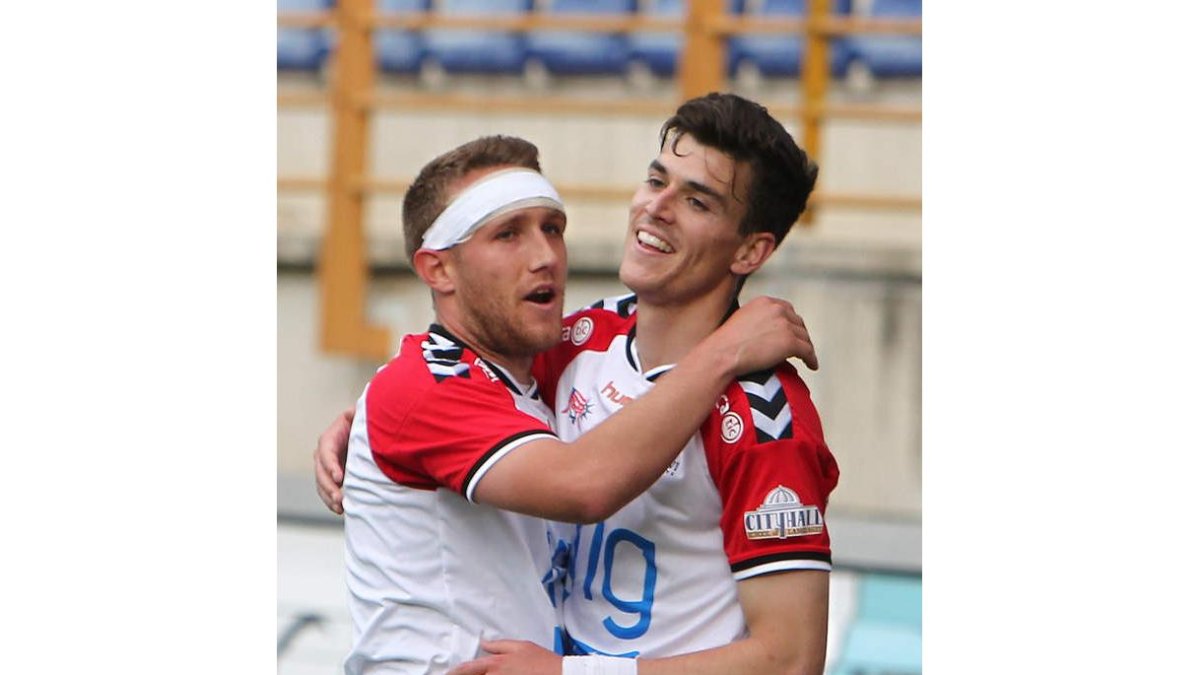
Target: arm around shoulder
[592, 477]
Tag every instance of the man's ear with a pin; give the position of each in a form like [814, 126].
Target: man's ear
[753, 253]
[434, 269]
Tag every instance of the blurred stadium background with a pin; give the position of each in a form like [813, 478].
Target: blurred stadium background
[369, 90]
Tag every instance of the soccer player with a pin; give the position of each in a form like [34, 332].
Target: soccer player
[722, 565]
[451, 440]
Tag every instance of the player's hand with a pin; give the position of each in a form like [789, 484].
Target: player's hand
[765, 332]
[512, 657]
[329, 460]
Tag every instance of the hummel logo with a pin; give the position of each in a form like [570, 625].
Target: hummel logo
[768, 406]
[611, 393]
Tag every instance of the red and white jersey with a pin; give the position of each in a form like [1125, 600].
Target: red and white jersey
[430, 572]
[745, 497]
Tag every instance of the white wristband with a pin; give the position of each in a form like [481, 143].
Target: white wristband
[598, 665]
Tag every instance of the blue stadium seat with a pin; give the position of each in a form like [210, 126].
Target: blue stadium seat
[659, 52]
[302, 49]
[889, 56]
[581, 53]
[399, 51]
[478, 51]
[885, 637]
[777, 55]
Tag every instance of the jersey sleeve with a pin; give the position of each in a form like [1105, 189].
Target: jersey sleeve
[446, 433]
[774, 475]
[548, 366]
[590, 328]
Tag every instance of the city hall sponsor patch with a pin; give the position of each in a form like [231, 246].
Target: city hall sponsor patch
[782, 515]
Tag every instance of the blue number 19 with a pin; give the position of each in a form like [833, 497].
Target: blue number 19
[641, 607]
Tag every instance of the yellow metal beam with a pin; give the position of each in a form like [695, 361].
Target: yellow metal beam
[830, 25]
[575, 192]
[343, 262]
[524, 23]
[720, 24]
[702, 61]
[814, 82]
[551, 104]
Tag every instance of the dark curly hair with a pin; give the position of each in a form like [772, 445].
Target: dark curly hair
[782, 175]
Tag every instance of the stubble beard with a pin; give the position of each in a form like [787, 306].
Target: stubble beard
[499, 328]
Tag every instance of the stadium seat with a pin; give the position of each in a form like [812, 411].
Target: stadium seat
[776, 55]
[581, 53]
[399, 51]
[302, 49]
[659, 52]
[885, 637]
[889, 56]
[478, 51]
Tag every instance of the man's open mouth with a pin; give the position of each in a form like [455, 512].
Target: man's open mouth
[649, 240]
[542, 296]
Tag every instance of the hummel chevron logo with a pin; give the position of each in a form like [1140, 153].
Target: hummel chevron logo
[444, 358]
[623, 305]
[768, 406]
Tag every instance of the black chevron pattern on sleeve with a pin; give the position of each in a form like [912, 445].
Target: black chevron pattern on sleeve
[768, 405]
[444, 358]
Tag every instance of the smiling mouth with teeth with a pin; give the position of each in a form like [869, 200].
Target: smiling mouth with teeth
[654, 242]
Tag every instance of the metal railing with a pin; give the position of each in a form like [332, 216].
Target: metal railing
[353, 98]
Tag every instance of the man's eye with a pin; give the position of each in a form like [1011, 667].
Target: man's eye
[697, 204]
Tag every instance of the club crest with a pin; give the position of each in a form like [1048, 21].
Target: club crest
[581, 331]
[578, 407]
[731, 427]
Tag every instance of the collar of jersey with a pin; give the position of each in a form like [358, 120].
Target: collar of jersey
[635, 361]
[653, 374]
[506, 377]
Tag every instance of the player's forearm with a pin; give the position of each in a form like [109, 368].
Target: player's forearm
[787, 616]
[624, 455]
[591, 478]
[747, 656]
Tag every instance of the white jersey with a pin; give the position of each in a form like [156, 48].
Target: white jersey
[430, 572]
[746, 496]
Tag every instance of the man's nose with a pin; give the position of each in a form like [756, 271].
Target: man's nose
[546, 253]
[660, 205]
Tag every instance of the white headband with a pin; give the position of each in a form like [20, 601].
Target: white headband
[500, 193]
